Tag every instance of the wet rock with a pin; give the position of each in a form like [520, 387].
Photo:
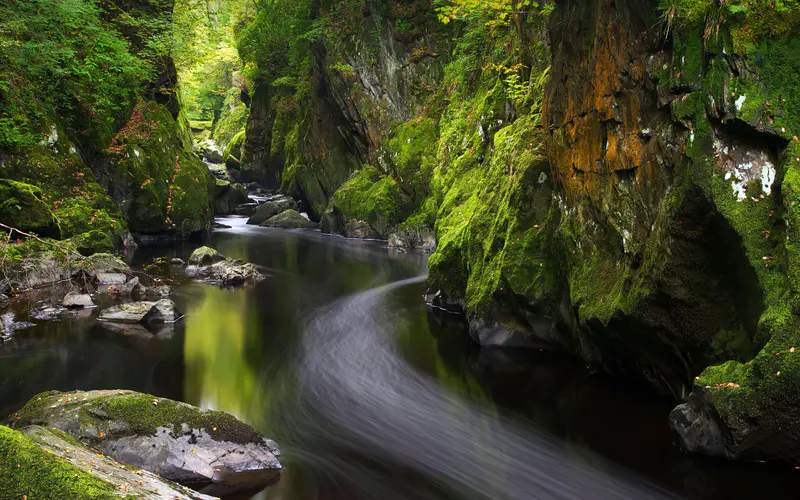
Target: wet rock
[205, 256]
[246, 209]
[77, 300]
[290, 219]
[111, 278]
[210, 451]
[52, 464]
[163, 311]
[272, 207]
[47, 311]
[360, 229]
[216, 269]
[423, 240]
[217, 225]
[9, 326]
[177, 262]
[698, 431]
[209, 151]
[3, 297]
[227, 197]
[141, 292]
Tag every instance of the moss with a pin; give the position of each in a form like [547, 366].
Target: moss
[21, 206]
[31, 472]
[232, 119]
[143, 414]
[169, 188]
[371, 197]
[413, 155]
[92, 242]
[234, 146]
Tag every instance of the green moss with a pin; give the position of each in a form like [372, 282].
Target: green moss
[232, 119]
[30, 472]
[21, 206]
[371, 197]
[143, 414]
[92, 242]
[170, 189]
[234, 146]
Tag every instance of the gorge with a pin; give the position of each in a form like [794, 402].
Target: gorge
[612, 182]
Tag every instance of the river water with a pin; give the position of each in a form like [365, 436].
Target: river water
[371, 395]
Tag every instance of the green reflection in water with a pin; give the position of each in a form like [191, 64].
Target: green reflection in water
[221, 340]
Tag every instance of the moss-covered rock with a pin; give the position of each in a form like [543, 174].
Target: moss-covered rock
[92, 242]
[272, 207]
[162, 186]
[290, 219]
[21, 206]
[228, 196]
[47, 463]
[373, 198]
[175, 440]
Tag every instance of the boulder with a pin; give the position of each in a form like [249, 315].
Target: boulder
[209, 151]
[210, 451]
[272, 207]
[100, 263]
[41, 462]
[422, 240]
[48, 311]
[141, 292]
[21, 206]
[163, 311]
[205, 256]
[92, 242]
[9, 326]
[77, 300]
[290, 219]
[246, 209]
[227, 197]
[360, 229]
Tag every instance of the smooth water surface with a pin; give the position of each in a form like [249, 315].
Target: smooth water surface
[371, 395]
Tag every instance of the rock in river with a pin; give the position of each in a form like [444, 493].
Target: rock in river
[215, 268]
[40, 462]
[290, 219]
[77, 300]
[272, 207]
[163, 311]
[210, 451]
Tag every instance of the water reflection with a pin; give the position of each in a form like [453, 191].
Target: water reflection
[398, 403]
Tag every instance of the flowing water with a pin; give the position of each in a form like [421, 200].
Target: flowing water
[371, 395]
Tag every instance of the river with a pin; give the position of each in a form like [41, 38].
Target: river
[371, 395]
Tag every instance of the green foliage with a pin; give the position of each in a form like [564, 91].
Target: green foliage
[493, 12]
[62, 59]
[747, 21]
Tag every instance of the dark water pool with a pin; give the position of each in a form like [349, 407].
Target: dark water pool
[371, 395]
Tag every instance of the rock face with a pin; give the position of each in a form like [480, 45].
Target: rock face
[215, 268]
[41, 462]
[272, 207]
[290, 219]
[209, 451]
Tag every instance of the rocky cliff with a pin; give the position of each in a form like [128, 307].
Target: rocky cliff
[615, 179]
[93, 123]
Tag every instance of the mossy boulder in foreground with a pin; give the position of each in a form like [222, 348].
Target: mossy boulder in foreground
[39, 462]
[210, 451]
[21, 206]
